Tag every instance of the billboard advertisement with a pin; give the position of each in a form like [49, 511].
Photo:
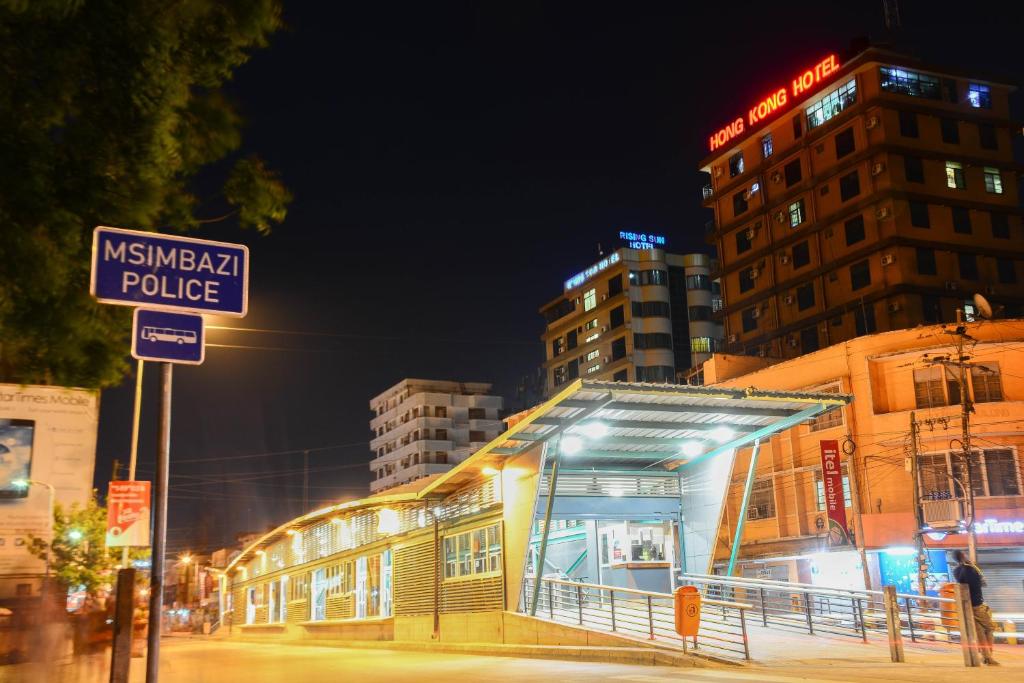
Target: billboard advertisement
[127, 514]
[835, 502]
[47, 435]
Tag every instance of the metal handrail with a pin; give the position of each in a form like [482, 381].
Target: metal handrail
[810, 588]
[635, 591]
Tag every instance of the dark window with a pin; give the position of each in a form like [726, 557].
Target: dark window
[749, 319]
[621, 376]
[698, 282]
[908, 124]
[615, 285]
[736, 164]
[556, 347]
[792, 172]
[809, 340]
[570, 339]
[950, 131]
[926, 261]
[572, 369]
[746, 279]
[864, 319]
[652, 340]
[919, 215]
[559, 310]
[648, 277]
[1000, 225]
[619, 348]
[655, 373]
[697, 313]
[1007, 271]
[844, 143]
[801, 254]
[798, 127]
[961, 220]
[854, 230]
[805, 296]
[739, 202]
[860, 275]
[987, 136]
[558, 377]
[651, 309]
[968, 266]
[617, 317]
[949, 87]
[743, 241]
[931, 308]
[913, 169]
[767, 147]
[849, 186]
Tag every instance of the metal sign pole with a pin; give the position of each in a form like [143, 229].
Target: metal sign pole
[156, 572]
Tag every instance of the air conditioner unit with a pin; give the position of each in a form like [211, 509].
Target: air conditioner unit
[732, 339]
[755, 273]
[776, 177]
[604, 328]
[819, 148]
[882, 213]
[888, 259]
[607, 359]
[794, 342]
[877, 168]
[951, 285]
[780, 217]
[941, 514]
[789, 299]
[604, 297]
[784, 258]
[750, 233]
[753, 513]
[718, 171]
[756, 313]
[761, 352]
[872, 122]
[747, 195]
[894, 306]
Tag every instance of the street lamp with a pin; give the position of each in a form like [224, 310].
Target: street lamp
[24, 484]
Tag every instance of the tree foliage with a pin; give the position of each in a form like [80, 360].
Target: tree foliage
[81, 559]
[108, 112]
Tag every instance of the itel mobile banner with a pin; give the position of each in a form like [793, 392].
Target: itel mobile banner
[835, 500]
[128, 514]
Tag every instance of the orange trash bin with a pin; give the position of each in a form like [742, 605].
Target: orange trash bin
[687, 605]
[947, 612]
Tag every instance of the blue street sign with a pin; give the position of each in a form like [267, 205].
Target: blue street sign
[169, 337]
[136, 268]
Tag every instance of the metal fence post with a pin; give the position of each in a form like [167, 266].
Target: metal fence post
[611, 599]
[650, 615]
[910, 620]
[807, 611]
[764, 609]
[579, 601]
[860, 618]
[892, 624]
[551, 599]
[743, 630]
[965, 620]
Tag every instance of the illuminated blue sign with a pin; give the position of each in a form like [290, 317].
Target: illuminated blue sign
[579, 278]
[642, 240]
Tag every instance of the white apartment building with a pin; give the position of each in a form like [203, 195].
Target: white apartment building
[424, 427]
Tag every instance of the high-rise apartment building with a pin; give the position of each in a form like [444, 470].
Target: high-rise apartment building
[639, 314]
[863, 195]
[424, 427]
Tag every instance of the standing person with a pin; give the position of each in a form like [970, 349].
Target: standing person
[969, 573]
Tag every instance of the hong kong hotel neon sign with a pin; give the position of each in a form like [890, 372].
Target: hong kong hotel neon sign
[776, 101]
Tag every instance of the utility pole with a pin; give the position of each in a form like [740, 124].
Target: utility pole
[919, 523]
[114, 469]
[305, 481]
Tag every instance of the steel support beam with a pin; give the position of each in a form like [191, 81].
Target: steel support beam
[747, 488]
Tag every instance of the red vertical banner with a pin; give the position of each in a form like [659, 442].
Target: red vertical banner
[128, 514]
[835, 500]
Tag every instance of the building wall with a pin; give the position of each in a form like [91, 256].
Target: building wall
[424, 427]
[629, 319]
[879, 370]
[804, 290]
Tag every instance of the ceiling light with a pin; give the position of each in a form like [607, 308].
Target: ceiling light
[571, 445]
[722, 434]
[594, 430]
[691, 449]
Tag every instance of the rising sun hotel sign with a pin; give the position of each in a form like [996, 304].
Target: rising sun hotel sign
[776, 101]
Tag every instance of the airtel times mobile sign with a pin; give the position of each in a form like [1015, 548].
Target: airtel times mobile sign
[762, 110]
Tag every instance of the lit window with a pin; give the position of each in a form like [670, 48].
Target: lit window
[473, 552]
[762, 500]
[704, 344]
[993, 181]
[767, 146]
[593, 368]
[820, 484]
[591, 337]
[979, 96]
[955, 175]
[910, 83]
[736, 164]
[593, 354]
[796, 213]
[832, 104]
[590, 299]
[591, 324]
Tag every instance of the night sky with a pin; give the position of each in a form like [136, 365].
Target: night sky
[452, 163]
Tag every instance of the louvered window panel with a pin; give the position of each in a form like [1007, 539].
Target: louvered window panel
[413, 579]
